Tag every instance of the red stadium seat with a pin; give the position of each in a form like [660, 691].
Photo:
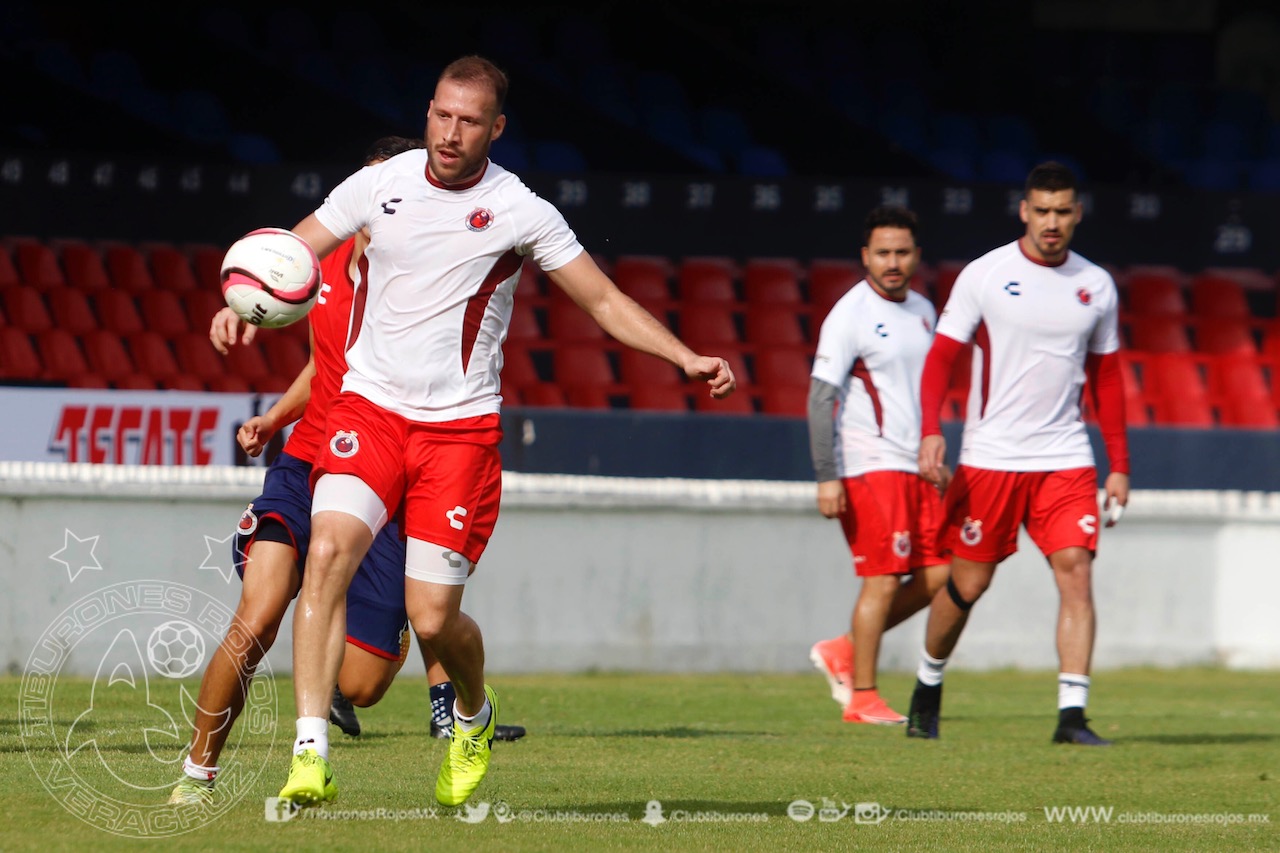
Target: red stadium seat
[18, 356]
[162, 311]
[773, 281]
[829, 279]
[127, 268]
[206, 263]
[785, 399]
[782, 366]
[8, 272]
[71, 310]
[518, 368]
[134, 382]
[1176, 384]
[25, 307]
[1154, 292]
[583, 364]
[1220, 335]
[567, 323]
[708, 279]
[200, 306]
[118, 311]
[638, 369]
[108, 357]
[544, 394]
[646, 279]
[1214, 295]
[153, 357]
[183, 382]
[525, 328]
[197, 357]
[740, 402]
[774, 326]
[945, 274]
[248, 362]
[229, 384]
[38, 265]
[662, 398]
[170, 267]
[83, 267]
[1239, 382]
[285, 355]
[712, 327]
[61, 355]
[1159, 333]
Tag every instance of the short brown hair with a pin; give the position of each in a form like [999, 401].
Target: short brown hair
[1051, 177]
[389, 146]
[477, 69]
[889, 216]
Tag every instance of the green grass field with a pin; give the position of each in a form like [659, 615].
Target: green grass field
[1194, 748]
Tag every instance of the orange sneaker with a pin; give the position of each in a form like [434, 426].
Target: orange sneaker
[867, 707]
[834, 659]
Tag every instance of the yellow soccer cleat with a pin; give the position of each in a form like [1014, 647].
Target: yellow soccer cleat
[310, 780]
[191, 792]
[468, 758]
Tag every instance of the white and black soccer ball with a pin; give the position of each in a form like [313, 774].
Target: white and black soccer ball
[271, 277]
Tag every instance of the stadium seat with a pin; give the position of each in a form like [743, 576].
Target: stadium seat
[829, 279]
[638, 369]
[170, 267]
[518, 368]
[708, 279]
[71, 310]
[524, 328]
[206, 264]
[127, 268]
[773, 281]
[248, 362]
[1239, 382]
[200, 306]
[1159, 333]
[286, 356]
[710, 327]
[183, 382]
[769, 326]
[37, 265]
[532, 286]
[8, 272]
[25, 308]
[162, 311]
[60, 354]
[567, 323]
[18, 356]
[1221, 335]
[782, 366]
[663, 398]
[785, 399]
[1153, 290]
[1214, 295]
[229, 384]
[134, 382]
[118, 311]
[645, 278]
[198, 358]
[740, 402]
[153, 357]
[544, 394]
[108, 357]
[1178, 389]
[83, 267]
[944, 278]
[583, 364]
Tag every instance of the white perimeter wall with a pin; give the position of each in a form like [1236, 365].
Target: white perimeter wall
[654, 575]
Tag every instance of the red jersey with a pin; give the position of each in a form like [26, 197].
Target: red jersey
[330, 320]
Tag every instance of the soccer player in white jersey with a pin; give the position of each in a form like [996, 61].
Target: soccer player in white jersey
[871, 352]
[1044, 320]
[416, 425]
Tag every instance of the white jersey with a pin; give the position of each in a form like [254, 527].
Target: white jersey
[873, 349]
[1038, 323]
[442, 268]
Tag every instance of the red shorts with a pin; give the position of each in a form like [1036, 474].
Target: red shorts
[892, 523]
[445, 477]
[984, 510]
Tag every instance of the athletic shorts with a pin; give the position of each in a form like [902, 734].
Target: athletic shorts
[892, 523]
[984, 510]
[448, 475]
[376, 619]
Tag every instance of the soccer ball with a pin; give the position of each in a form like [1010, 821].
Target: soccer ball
[271, 277]
[175, 649]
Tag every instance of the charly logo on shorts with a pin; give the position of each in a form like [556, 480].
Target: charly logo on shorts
[248, 524]
[111, 758]
[902, 543]
[344, 444]
[479, 219]
[971, 532]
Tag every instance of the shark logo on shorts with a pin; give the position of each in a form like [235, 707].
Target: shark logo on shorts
[344, 444]
[902, 543]
[248, 522]
[971, 532]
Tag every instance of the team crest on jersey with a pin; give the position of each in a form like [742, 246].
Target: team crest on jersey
[344, 444]
[248, 522]
[971, 532]
[479, 219]
[902, 543]
[1084, 296]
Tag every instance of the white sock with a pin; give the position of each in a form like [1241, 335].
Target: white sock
[199, 772]
[1073, 690]
[470, 724]
[313, 733]
[929, 672]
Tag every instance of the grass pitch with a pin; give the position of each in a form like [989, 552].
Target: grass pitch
[1195, 766]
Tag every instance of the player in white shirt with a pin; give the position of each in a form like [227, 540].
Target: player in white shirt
[416, 428]
[1043, 319]
[871, 352]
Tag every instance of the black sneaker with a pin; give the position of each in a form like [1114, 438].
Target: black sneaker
[343, 715]
[1080, 735]
[500, 732]
[922, 717]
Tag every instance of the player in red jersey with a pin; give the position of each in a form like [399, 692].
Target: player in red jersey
[1044, 320]
[870, 355]
[417, 420]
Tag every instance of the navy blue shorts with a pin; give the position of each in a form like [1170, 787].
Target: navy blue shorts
[376, 619]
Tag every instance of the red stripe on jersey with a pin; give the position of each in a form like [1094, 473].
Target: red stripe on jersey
[507, 266]
[983, 341]
[862, 374]
[357, 301]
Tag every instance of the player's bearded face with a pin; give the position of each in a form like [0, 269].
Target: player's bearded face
[462, 121]
[1051, 219]
[891, 257]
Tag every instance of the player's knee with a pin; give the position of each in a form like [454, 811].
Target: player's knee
[966, 593]
[362, 694]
